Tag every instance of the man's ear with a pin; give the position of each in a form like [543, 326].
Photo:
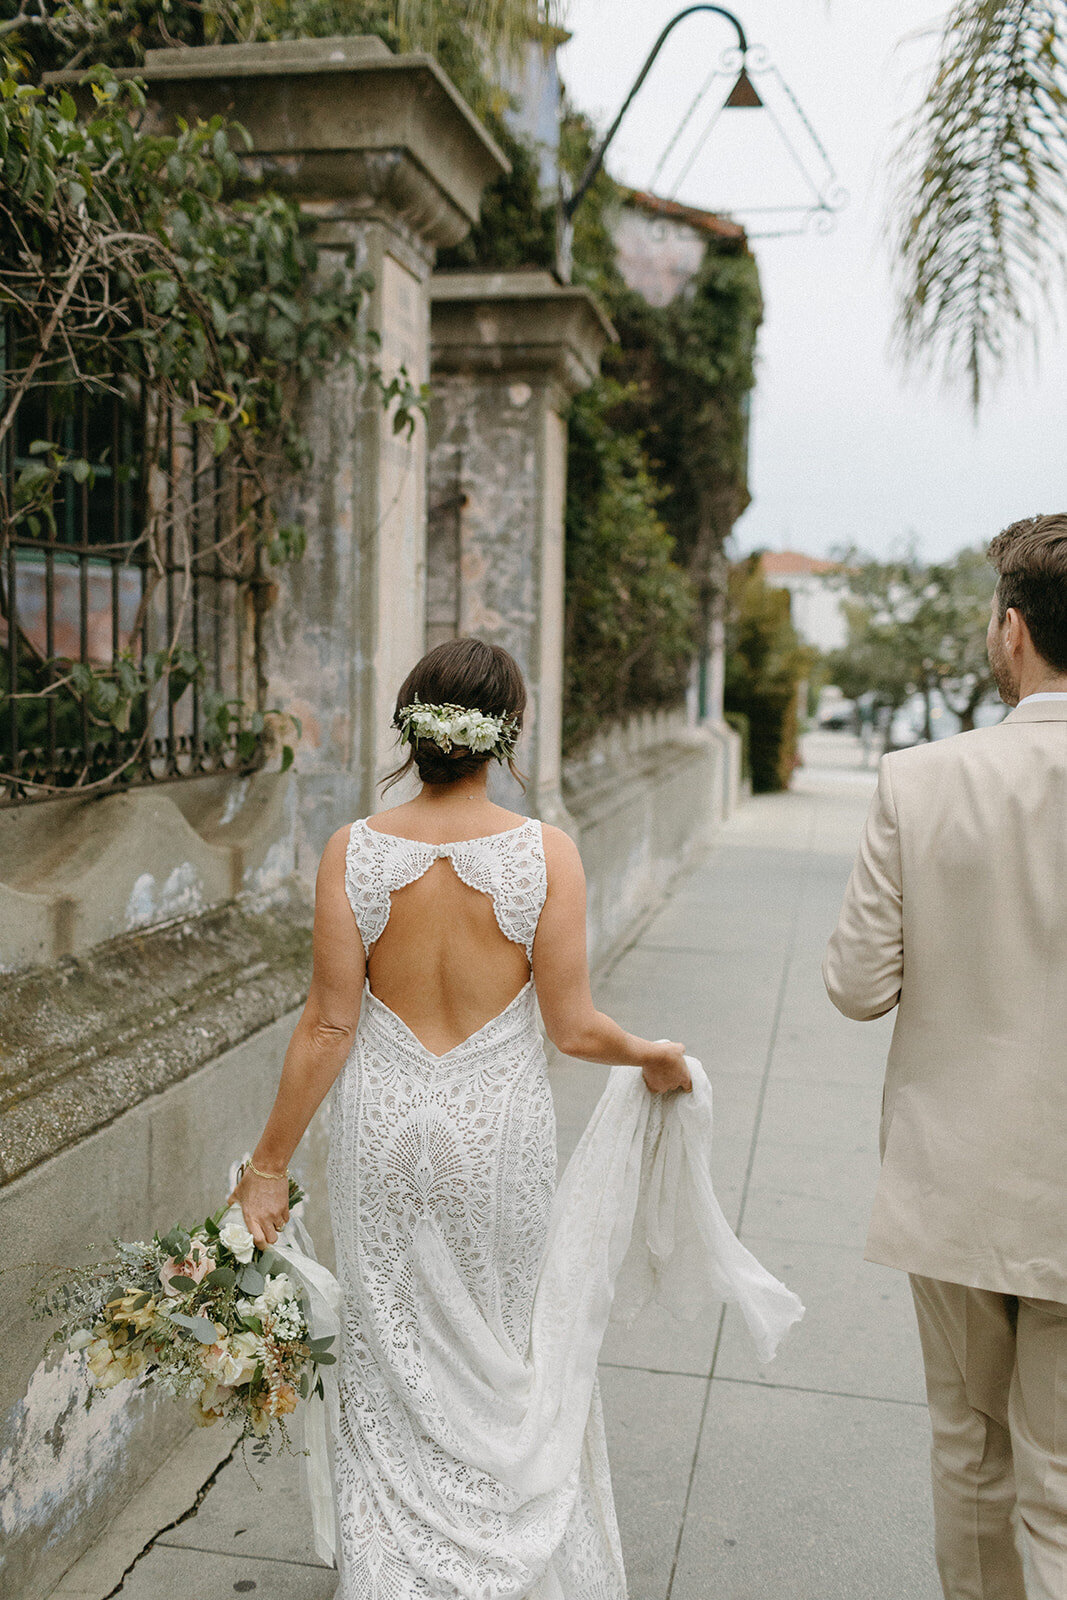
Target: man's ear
[1018, 634]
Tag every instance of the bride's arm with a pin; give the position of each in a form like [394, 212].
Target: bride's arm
[561, 974]
[318, 1049]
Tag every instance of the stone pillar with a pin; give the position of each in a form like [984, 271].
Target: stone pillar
[390, 162]
[509, 350]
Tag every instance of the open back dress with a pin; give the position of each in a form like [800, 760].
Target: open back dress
[442, 1175]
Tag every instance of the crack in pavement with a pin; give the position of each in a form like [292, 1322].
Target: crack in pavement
[190, 1511]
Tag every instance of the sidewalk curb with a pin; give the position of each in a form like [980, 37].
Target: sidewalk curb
[173, 1493]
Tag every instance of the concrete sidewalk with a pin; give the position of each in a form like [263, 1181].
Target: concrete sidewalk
[806, 1480]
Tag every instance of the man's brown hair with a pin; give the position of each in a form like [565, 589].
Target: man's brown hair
[1031, 560]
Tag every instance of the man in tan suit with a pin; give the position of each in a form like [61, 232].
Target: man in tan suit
[956, 913]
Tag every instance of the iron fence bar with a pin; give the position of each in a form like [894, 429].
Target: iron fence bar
[13, 659]
[116, 545]
[171, 752]
[194, 593]
[50, 651]
[83, 644]
[216, 503]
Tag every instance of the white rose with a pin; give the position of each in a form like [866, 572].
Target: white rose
[484, 735]
[276, 1290]
[464, 725]
[233, 1369]
[236, 1238]
[79, 1340]
[427, 725]
[246, 1349]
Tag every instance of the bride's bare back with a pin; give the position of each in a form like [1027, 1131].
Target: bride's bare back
[442, 963]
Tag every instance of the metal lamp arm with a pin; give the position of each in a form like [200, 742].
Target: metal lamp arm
[597, 158]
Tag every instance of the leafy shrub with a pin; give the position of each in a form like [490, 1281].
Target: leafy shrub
[765, 665]
[630, 609]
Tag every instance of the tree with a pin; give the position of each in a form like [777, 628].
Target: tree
[982, 231]
[914, 628]
[963, 589]
[765, 666]
[892, 639]
[77, 33]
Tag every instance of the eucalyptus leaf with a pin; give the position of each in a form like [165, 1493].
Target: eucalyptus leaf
[221, 1278]
[200, 1326]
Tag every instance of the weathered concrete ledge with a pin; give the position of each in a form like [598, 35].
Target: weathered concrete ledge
[646, 796]
[79, 870]
[87, 1040]
[338, 123]
[519, 323]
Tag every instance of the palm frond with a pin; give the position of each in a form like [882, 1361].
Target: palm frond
[981, 230]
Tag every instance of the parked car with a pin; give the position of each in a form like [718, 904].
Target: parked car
[835, 713]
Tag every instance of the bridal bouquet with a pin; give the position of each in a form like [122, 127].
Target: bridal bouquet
[200, 1314]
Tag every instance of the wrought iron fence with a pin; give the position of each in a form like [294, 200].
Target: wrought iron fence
[142, 572]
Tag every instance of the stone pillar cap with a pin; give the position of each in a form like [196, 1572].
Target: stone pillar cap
[338, 123]
[514, 322]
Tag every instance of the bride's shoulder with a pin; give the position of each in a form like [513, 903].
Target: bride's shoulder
[560, 849]
[389, 821]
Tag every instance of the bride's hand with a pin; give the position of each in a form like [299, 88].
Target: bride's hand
[666, 1069]
[265, 1204]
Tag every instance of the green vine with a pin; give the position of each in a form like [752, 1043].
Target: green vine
[630, 609]
[134, 261]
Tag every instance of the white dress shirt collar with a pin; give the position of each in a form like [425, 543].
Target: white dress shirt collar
[1049, 694]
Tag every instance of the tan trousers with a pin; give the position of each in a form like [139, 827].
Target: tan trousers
[996, 1382]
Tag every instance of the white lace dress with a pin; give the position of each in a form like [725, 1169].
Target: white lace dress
[442, 1175]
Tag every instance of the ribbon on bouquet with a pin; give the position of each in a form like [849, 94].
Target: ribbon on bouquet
[323, 1298]
[321, 1294]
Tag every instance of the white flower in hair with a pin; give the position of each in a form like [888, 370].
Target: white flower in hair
[450, 725]
[484, 734]
[464, 728]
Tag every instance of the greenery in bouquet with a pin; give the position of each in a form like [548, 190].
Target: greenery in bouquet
[199, 1314]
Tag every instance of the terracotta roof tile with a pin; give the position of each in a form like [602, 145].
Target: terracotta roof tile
[706, 221]
[791, 563]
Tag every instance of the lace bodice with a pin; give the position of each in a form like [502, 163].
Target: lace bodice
[509, 867]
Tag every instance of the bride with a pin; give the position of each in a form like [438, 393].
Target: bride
[441, 926]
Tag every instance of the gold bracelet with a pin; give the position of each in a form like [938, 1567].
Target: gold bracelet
[278, 1177]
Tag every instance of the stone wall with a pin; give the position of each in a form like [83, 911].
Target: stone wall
[645, 796]
[64, 1472]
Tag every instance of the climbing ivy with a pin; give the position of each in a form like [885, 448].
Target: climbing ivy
[691, 365]
[630, 609]
[131, 259]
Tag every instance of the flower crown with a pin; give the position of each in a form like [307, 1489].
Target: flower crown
[449, 725]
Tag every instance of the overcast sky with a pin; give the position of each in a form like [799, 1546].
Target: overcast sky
[844, 446]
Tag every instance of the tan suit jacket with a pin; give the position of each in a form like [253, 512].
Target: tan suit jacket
[956, 912]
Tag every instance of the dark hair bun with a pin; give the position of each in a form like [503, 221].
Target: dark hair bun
[461, 672]
[435, 765]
